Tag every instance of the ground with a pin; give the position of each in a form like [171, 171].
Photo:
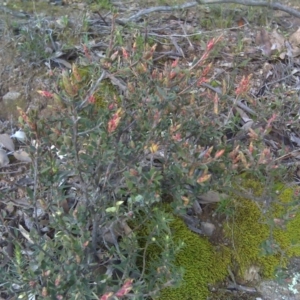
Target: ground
[39, 40]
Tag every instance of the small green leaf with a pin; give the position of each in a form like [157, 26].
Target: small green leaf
[111, 209]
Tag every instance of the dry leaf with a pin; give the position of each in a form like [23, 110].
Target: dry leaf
[197, 208]
[203, 178]
[247, 126]
[21, 155]
[211, 197]
[252, 134]
[262, 40]
[62, 62]
[126, 228]
[25, 234]
[277, 41]
[4, 161]
[114, 230]
[219, 153]
[29, 222]
[6, 142]
[153, 148]
[294, 38]
[185, 200]
[241, 22]
[21, 202]
[243, 159]
[20, 136]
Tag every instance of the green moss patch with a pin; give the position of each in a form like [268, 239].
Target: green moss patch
[202, 264]
[261, 234]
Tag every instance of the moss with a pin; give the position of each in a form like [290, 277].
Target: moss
[256, 237]
[201, 263]
[288, 236]
[105, 94]
[247, 232]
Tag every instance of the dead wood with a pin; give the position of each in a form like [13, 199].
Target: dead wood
[269, 4]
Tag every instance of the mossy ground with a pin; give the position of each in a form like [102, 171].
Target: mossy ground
[264, 234]
[202, 264]
[255, 239]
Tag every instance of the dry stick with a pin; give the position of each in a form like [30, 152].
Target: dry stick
[112, 30]
[75, 120]
[92, 90]
[186, 36]
[238, 103]
[262, 3]
[35, 188]
[267, 3]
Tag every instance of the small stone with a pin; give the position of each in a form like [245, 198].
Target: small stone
[207, 228]
[271, 290]
[11, 96]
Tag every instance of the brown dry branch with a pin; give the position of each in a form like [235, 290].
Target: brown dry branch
[239, 103]
[269, 4]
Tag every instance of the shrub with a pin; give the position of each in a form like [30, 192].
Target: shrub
[119, 139]
[110, 148]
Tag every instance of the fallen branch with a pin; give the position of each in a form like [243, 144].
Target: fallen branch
[262, 3]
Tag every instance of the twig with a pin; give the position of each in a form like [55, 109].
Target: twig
[268, 3]
[238, 103]
[91, 92]
[35, 188]
[186, 36]
[10, 172]
[179, 50]
[112, 35]
[14, 13]
[90, 130]
[77, 160]
[117, 82]
[242, 288]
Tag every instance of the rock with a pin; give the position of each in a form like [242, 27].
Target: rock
[271, 290]
[207, 228]
[11, 96]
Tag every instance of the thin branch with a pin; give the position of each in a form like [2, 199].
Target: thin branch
[35, 188]
[268, 3]
[89, 130]
[239, 103]
[77, 160]
[263, 3]
[92, 90]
